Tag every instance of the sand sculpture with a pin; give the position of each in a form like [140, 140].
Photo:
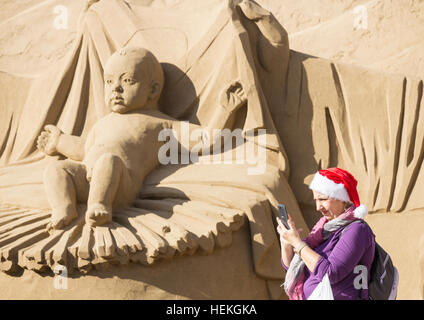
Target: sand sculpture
[110, 201]
[123, 147]
[237, 74]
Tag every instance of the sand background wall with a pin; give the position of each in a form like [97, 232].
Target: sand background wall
[391, 41]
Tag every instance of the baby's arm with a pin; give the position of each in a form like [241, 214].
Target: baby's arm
[71, 147]
[53, 141]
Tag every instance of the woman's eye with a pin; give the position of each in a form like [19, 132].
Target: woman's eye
[109, 81]
[127, 80]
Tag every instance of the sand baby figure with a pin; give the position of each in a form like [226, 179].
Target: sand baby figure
[108, 168]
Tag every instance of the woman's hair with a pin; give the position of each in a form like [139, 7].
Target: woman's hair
[348, 204]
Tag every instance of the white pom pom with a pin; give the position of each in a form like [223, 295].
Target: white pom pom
[360, 211]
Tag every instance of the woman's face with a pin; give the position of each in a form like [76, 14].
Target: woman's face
[329, 208]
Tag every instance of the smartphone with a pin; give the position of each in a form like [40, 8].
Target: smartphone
[283, 215]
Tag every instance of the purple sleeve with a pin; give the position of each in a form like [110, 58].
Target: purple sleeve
[284, 266]
[346, 253]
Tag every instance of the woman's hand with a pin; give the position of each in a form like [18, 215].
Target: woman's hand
[291, 236]
[280, 229]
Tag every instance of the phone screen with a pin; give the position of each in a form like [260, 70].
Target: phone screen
[283, 215]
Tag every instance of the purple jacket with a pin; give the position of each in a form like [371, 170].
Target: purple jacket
[339, 257]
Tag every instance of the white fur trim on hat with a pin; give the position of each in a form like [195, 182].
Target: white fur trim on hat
[360, 211]
[329, 188]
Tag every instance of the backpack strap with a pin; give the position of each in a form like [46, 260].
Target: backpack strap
[350, 223]
[355, 221]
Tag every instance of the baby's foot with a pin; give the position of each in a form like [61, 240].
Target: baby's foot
[61, 218]
[98, 214]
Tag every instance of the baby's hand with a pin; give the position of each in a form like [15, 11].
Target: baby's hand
[48, 139]
[232, 97]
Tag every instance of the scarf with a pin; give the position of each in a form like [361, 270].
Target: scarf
[323, 229]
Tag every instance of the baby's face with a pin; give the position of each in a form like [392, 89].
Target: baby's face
[126, 86]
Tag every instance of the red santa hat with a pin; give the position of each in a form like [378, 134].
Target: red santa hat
[339, 184]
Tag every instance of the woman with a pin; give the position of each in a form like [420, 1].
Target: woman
[328, 250]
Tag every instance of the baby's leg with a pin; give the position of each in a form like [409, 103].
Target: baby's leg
[65, 184]
[109, 175]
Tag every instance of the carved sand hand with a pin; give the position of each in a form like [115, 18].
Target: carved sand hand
[232, 97]
[252, 10]
[48, 139]
[270, 28]
[273, 42]
[89, 3]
